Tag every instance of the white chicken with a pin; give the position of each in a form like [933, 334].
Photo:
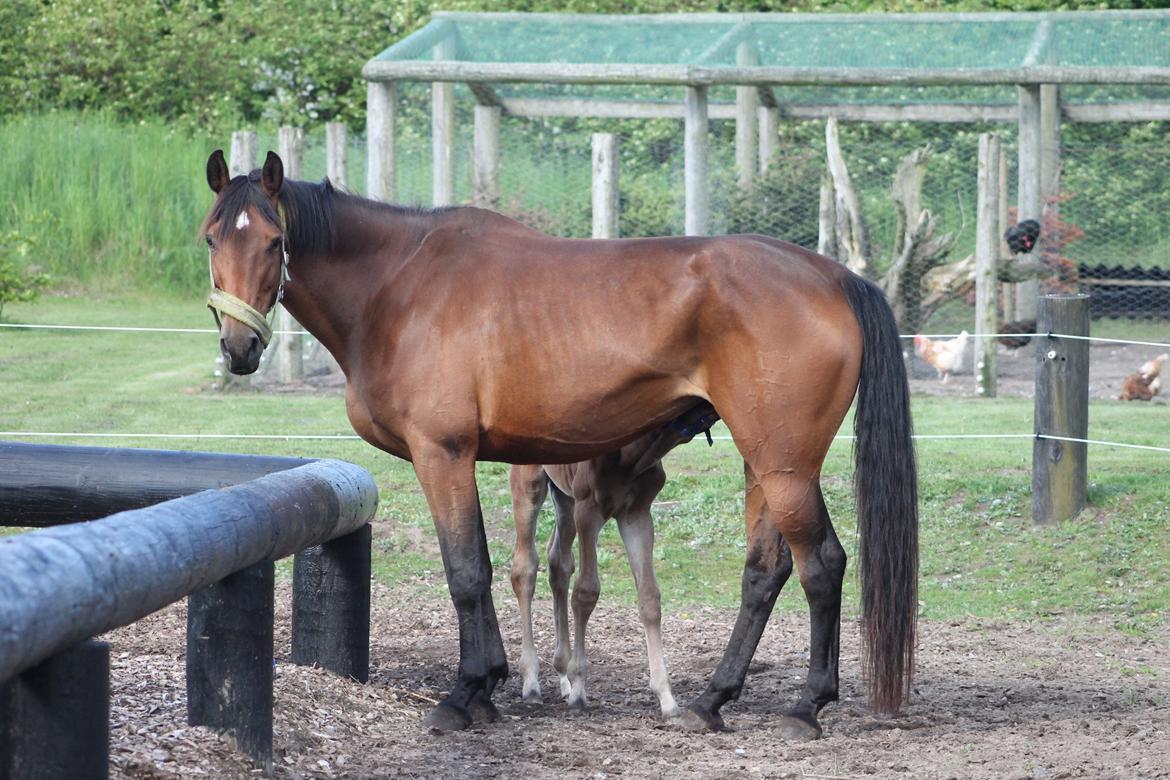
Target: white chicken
[946, 356]
[1146, 382]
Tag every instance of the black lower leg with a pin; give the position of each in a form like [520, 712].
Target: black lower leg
[821, 576]
[767, 569]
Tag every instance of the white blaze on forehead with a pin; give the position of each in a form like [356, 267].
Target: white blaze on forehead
[243, 221]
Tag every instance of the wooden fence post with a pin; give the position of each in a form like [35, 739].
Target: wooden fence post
[606, 205]
[486, 157]
[987, 239]
[290, 347]
[695, 177]
[381, 115]
[1059, 468]
[331, 606]
[1028, 191]
[55, 717]
[769, 121]
[443, 132]
[229, 659]
[747, 99]
[336, 162]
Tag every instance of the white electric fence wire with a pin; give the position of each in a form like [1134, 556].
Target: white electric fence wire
[205, 331]
[351, 437]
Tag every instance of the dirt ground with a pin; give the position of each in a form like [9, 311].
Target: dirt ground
[1061, 698]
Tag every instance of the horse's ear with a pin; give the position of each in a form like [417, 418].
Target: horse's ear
[217, 171]
[272, 176]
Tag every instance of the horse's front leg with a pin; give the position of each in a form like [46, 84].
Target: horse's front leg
[448, 479]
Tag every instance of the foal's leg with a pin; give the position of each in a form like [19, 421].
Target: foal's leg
[637, 530]
[586, 590]
[448, 479]
[768, 565]
[529, 489]
[560, 571]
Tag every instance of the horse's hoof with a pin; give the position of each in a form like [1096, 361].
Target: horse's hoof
[578, 706]
[797, 729]
[446, 718]
[698, 720]
[672, 713]
[532, 696]
[482, 709]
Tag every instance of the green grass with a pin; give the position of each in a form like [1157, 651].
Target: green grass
[981, 553]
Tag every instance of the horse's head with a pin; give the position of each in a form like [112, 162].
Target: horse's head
[248, 258]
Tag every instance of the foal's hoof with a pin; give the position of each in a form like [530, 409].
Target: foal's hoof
[797, 729]
[695, 719]
[482, 709]
[532, 697]
[446, 718]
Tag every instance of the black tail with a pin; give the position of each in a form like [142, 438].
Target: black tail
[886, 484]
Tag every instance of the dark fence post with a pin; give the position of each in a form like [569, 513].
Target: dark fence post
[1059, 468]
[229, 659]
[331, 606]
[55, 717]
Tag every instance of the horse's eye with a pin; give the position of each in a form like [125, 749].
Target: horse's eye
[275, 244]
[210, 242]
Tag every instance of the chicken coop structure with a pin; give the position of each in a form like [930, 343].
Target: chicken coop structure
[1030, 73]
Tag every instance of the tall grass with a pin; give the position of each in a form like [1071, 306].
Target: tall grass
[103, 203]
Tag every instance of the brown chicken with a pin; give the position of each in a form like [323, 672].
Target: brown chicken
[1146, 382]
[945, 356]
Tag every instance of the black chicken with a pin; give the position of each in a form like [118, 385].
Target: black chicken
[1022, 237]
[1008, 330]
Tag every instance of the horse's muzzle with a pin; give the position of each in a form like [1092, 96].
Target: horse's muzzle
[242, 351]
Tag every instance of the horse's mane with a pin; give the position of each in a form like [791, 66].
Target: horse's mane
[308, 207]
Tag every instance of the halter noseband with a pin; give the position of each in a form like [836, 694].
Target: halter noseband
[222, 302]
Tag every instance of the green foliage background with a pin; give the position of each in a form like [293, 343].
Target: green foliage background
[99, 99]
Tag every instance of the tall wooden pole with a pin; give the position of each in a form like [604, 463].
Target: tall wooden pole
[290, 347]
[605, 186]
[443, 133]
[336, 154]
[1059, 468]
[486, 157]
[987, 230]
[381, 114]
[747, 99]
[695, 164]
[1028, 193]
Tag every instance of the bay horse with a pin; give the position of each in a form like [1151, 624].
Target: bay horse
[465, 335]
[622, 485]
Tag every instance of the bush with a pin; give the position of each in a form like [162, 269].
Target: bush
[18, 284]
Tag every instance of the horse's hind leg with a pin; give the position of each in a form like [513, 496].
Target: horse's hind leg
[560, 571]
[820, 561]
[767, 568]
[637, 530]
[529, 489]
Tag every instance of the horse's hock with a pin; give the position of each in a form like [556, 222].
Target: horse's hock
[60, 586]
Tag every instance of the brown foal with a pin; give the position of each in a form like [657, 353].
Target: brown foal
[621, 485]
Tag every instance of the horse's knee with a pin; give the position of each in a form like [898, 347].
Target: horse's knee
[585, 594]
[650, 607]
[524, 568]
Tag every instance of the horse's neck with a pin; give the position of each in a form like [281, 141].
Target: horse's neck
[328, 294]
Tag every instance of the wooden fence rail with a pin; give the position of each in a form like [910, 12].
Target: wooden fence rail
[61, 585]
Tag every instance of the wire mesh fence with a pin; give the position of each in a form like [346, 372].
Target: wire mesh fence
[1104, 234]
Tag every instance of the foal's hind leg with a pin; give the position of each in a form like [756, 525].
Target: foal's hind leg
[768, 565]
[586, 591]
[637, 530]
[529, 489]
[560, 571]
